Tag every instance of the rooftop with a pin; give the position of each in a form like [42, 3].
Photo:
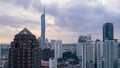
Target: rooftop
[25, 31]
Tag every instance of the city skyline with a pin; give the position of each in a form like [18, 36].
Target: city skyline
[65, 19]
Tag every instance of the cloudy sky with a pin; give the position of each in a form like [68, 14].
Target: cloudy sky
[65, 19]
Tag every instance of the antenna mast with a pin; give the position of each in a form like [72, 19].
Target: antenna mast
[44, 6]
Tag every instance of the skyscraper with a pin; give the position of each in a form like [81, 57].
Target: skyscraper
[43, 26]
[111, 54]
[84, 55]
[98, 54]
[87, 51]
[24, 51]
[42, 42]
[108, 32]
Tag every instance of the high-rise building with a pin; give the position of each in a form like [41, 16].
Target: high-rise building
[108, 31]
[87, 51]
[69, 48]
[100, 64]
[24, 51]
[79, 50]
[57, 47]
[98, 54]
[84, 55]
[119, 50]
[110, 54]
[118, 62]
[84, 38]
[43, 30]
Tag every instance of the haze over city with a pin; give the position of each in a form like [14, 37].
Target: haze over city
[65, 19]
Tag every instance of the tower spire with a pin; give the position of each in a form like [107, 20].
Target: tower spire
[44, 6]
[43, 27]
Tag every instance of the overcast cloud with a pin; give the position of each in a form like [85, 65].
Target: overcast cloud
[75, 17]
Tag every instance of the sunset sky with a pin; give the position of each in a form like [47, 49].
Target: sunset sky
[65, 19]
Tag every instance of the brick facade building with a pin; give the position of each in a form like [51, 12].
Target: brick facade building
[24, 51]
